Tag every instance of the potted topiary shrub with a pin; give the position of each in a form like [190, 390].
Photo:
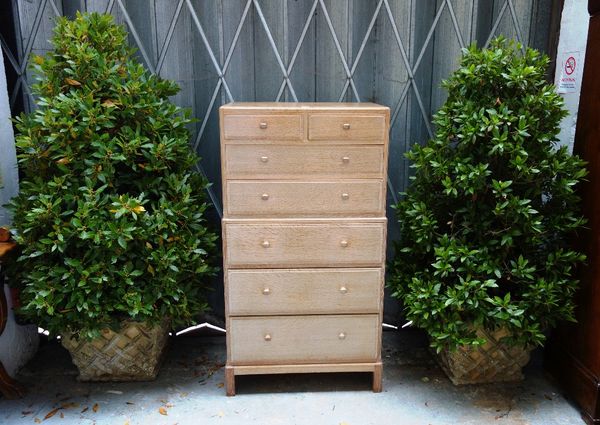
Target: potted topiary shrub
[484, 264]
[110, 214]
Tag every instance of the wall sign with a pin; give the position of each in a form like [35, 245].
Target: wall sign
[570, 73]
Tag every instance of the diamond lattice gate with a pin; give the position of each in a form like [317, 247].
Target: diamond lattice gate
[393, 52]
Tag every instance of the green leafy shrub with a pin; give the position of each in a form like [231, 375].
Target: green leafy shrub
[110, 216]
[486, 220]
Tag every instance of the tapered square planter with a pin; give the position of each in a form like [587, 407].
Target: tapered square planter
[495, 361]
[134, 353]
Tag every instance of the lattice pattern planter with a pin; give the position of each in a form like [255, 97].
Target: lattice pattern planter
[494, 361]
[132, 354]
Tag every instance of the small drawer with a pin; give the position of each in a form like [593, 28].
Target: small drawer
[303, 162]
[304, 291]
[302, 243]
[263, 127]
[339, 127]
[303, 339]
[351, 198]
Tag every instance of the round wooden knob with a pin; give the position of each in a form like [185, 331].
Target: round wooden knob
[343, 290]
[267, 337]
[344, 244]
[266, 291]
[346, 126]
[263, 125]
[345, 159]
[345, 196]
[265, 244]
[264, 159]
[342, 335]
[265, 196]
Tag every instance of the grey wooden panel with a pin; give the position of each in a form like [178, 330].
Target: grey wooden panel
[36, 23]
[96, 5]
[329, 69]
[361, 13]
[144, 17]
[303, 72]
[267, 71]
[240, 74]
[540, 22]
[447, 47]
[523, 9]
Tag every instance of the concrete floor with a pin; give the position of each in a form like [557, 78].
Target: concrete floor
[189, 390]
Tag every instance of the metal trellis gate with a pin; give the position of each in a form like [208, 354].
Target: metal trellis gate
[393, 52]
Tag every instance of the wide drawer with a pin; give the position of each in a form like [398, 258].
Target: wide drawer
[302, 243]
[269, 126]
[335, 127]
[308, 162]
[305, 199]
[304, 291]
[303, 339]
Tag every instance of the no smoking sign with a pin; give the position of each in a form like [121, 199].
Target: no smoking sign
[570, 64]
[568, 81]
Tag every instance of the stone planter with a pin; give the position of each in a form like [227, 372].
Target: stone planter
[494, 361]
[132, 354]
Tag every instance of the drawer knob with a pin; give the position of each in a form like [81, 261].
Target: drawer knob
[343, 290]
[268, 337]
[266, 291]
[264, 159]
[344, 243]
[263, 125]
[265, 244]
[342, 335]
[345, 196]
[265, 196]
[346, 126]
[345, 159]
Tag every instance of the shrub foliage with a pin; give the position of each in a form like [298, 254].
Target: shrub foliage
[486, 221]
[110, 216]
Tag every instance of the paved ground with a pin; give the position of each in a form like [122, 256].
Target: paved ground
[189, 390]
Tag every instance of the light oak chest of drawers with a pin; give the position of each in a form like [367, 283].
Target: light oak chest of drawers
[304, 231]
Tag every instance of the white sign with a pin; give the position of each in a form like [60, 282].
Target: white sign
[570, 72]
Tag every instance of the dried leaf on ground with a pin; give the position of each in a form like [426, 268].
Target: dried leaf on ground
[85, 409]
[51, 413]
[37, 420]
[162, 411]
[96, 407]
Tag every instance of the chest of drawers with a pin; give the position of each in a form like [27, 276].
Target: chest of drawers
[304, 231]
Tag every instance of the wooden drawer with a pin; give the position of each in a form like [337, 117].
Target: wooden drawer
[265, 127]
[304, 291]
[304, 243]
[330, 127]
[351, 198]
[305, 162]
[303, 339]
